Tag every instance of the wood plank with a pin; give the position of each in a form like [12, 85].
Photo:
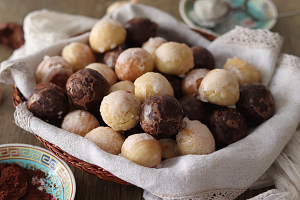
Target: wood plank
[292, 28]
[280, 28]
[288, 27]
[285, 6]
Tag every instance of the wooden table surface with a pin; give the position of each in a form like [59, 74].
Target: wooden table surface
[90, 187]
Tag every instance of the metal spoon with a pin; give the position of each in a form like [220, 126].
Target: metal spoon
[281, 15]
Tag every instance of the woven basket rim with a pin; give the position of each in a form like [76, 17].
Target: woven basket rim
[17, 99]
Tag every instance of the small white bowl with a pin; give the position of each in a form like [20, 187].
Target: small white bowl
[260, 9]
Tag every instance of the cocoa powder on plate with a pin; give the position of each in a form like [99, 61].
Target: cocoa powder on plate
[10, 182]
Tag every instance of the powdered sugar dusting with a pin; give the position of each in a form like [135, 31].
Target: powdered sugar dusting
[120, 110]
[158, 85]
[106, 35]
[52, 66]
[218, 82]
[192, 78]
[41, 184]
[196, 137]
[174, 58]
[132, 140]
[169, 52]
[152, 44]
[137, 56]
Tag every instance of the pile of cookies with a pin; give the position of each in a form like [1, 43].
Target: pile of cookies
[137, 95]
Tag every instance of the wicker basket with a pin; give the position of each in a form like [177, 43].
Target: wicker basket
[18, 98]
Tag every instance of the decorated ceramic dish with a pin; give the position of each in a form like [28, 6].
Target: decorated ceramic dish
[60, 181]
[259, 14]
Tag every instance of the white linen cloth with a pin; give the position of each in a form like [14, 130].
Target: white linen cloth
[224, 174]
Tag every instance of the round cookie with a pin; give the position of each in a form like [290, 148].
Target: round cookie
[78, 55]
[152, 84]
[110, 57]
[169, 148]
[228, 126]
[122, 85]
[120, 110]
[194, 109]
[161, 116]
[107, 72]
[195, 138]
[175, 81]
[48, 102]
[106, 139]
[117, 4]
[86, 89]
[203, 58]
[132, 63]
[139, 30]
[191, 82]
[106, 35]
[79, 122]
[243, 71]
[174, 58]
[153, 43]
[135, 130]
[54, 70]
[219, 87]
[256, 103]
[142, 149]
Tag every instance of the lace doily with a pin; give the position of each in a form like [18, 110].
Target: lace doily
[218, 195]
[210, 195]
[289, 61]
[263, 39]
